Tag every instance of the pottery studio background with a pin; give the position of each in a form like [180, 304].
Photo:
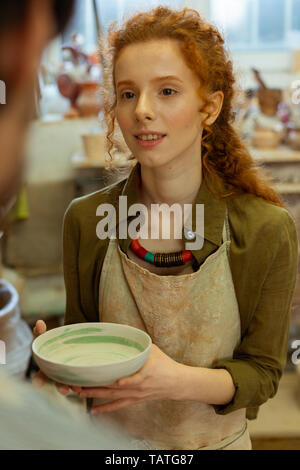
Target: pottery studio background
[66, 159]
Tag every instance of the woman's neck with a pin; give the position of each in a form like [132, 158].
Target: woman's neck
[167, 185]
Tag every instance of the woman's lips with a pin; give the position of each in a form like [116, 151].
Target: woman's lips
[149, 143]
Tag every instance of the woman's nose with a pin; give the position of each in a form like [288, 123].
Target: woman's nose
[144, 109]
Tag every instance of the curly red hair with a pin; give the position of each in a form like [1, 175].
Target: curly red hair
[225, 157]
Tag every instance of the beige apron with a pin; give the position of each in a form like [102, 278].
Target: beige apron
[194, 318]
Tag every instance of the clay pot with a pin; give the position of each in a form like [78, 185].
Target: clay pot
[68, 87]
[14, 332]
[95, 146]
[269, 100]
[266, 139]
[89, 102]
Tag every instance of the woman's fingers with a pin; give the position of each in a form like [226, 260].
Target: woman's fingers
[62, 388]
[102, 392]
[40, 378]
[40, 328]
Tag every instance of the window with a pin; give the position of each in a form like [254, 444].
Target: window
[84, 20]
[261, 24]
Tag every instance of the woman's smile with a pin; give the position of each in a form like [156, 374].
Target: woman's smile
[150, 140]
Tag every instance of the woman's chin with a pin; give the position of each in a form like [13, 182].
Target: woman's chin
[150, 162]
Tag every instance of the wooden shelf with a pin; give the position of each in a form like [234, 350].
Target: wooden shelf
[287, 188]
[281, 154]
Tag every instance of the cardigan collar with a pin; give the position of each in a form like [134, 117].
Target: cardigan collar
[214, 208]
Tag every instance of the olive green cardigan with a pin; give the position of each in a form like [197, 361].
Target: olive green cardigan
[263, 260]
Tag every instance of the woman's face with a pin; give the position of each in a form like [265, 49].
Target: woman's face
[157, 95]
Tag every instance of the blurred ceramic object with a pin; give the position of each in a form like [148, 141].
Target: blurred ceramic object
[273, 123]
[15, 333]
[89, 102]
[266, 139]
[268, 131]
[293, 136]
[94, 146]
[268, 98]
[70, 89]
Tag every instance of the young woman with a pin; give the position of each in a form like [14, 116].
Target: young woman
[218, 315]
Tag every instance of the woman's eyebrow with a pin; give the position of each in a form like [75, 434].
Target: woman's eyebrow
[156, 79]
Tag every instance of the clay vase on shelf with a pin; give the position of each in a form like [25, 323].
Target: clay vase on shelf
[269, 100]
[69, 89]
[89, 102]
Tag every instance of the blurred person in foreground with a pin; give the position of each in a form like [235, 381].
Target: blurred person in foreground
[29, 420]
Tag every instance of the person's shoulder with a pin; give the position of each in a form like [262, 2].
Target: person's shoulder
[254, 216]
[86, 206]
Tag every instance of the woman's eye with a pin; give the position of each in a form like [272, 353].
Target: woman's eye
[127, 95]
[168, 91]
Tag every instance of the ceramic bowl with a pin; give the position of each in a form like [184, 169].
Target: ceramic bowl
[91, 354]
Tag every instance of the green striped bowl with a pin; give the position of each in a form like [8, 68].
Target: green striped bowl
[91, 354]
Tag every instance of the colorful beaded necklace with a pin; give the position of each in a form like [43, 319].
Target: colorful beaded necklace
[178, 258]
[165, 260]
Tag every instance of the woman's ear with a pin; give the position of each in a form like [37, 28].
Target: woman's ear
[214, 107]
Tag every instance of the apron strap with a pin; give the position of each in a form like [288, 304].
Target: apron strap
[226, 230]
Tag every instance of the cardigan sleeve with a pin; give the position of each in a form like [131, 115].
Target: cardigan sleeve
[71, 239]
[259, 360]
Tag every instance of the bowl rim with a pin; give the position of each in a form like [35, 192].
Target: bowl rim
[107, 364]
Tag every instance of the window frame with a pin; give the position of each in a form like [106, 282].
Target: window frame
[257, 45]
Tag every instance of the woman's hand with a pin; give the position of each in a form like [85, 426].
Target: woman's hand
[40, 378]
[157, 379]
